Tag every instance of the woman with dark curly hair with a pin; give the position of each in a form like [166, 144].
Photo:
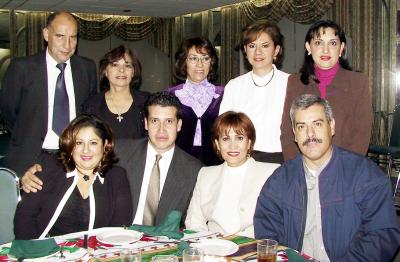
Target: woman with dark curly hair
[196, 64]
[120, 104]
[82, 191]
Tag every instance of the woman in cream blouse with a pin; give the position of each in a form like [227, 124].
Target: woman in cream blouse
[225, 196]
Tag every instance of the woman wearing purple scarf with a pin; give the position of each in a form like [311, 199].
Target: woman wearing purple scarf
[196, 65]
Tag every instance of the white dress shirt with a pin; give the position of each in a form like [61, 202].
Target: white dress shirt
[164, 163]
[51, 138]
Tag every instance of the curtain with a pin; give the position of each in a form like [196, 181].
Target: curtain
[371, 24]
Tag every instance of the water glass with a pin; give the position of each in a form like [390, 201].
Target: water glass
[133, 255]
[193, 254]
[266, 250]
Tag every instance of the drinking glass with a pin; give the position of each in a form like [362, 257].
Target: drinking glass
[133, 255]
[266, 250]
[193, 254]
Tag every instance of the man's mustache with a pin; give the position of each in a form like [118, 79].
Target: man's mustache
[312, 140]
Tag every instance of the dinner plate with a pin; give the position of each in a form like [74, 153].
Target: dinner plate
[119, 236]
[217, 247]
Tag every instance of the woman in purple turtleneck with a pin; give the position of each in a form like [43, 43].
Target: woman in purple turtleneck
[325, 72]
[196, 66]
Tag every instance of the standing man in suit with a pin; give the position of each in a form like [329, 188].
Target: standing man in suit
[41, 93]
[177, 170]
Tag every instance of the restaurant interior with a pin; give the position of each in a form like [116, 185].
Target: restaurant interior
[154, 30]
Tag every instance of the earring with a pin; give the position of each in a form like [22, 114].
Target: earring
[274, 58]
[309, 53]
[248, 153]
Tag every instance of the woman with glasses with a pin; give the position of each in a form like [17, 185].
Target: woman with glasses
[260, 93]
[196, 66]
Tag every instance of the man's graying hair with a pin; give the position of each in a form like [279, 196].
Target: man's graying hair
[305, 101]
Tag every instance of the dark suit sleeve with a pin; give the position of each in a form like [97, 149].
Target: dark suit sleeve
[122, 203]
[10, 92]
[93, 78]
[26, 224]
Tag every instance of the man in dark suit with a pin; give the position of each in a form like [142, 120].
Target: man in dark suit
[28, 96]
[177, 170]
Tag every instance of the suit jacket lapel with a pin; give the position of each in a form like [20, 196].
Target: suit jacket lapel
[43, 92]
[77, 80]
[137, 166]
[173, 181]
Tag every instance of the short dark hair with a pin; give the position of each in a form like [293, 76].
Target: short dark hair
[163, 98]
[253, 30]
[113, 56]
[307, 69]
[53, 16]
[202, 44]
[239, 122]
[305, 101]
[68, 141]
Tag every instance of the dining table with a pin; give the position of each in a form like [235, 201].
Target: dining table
[89, 246]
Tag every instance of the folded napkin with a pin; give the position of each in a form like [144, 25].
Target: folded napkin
[33, 248]
[168, 227]
[181, 246]
[293, 256]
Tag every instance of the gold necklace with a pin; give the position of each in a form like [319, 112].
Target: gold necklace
[273, 73]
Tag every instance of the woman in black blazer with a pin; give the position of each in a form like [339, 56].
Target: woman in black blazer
[80, 192]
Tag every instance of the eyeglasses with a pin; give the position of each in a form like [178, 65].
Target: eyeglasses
[195, 59]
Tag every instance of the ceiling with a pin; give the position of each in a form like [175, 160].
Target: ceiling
[155, 8]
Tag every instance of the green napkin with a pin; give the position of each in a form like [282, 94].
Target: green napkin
[293, 256]
[181, 246]
[168, 227]
[33, 248]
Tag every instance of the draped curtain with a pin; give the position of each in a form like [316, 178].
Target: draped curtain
[371, 24]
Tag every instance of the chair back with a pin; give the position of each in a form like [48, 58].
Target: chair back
[9, 197]
[395, 133]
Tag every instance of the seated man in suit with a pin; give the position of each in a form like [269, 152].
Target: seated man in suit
[328, 202]
[161, 175]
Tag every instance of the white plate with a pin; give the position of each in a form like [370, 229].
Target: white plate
[217, 247]
[119, 236]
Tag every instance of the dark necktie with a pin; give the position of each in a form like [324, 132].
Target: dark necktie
[61, 104]
[153, 194]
